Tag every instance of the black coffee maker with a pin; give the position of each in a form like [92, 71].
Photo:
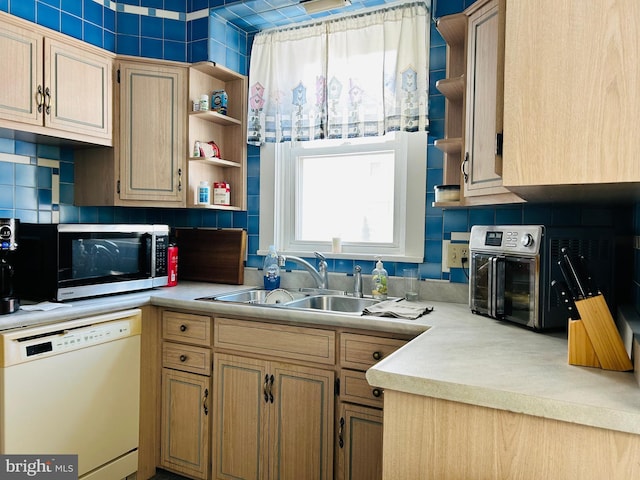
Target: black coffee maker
[8, 245]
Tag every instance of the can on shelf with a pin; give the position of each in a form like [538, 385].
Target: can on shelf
[221, 193]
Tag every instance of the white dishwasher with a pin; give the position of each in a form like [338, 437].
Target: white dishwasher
[74, 388]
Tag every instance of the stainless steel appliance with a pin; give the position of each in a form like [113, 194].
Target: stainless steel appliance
[73, 388]
[9, 303]
[512, 267]
[67, 261]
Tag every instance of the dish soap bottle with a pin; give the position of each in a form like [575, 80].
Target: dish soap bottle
[271, 269]
[379, 281]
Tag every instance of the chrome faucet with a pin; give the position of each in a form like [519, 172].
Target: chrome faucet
[357, 281]
[320, 276]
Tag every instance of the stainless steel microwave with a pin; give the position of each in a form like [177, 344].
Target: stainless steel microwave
[68, 261]
[512, 267]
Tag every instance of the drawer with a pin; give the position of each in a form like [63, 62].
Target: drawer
[186, 358]
[186, 327]
[287, 341]
[355, 388]
[363, 351]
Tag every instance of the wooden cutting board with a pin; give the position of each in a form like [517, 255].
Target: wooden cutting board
[211, 255]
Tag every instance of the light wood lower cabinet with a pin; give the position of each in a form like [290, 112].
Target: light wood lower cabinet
[186, 394]
[272, 420]
[185, 422]
[360, 442]
[359, 445]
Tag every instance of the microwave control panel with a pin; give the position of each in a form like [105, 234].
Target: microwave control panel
[506, 239]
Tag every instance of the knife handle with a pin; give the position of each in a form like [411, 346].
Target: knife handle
[565, 300]
[572, 289]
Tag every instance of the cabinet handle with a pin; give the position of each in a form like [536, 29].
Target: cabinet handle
[183, 358]
[463, 167]
[47, 101]
[271, 379]
[40, 98]
[265, 388]
[376, 392]
[340, 433]
[204, 401]
[179, 179]
[377, 355]
[183, 328]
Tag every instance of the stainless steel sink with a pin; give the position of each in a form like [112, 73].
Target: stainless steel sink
[256, 296]
[332, 303]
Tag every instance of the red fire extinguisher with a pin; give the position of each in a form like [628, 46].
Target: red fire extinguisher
[172, 259]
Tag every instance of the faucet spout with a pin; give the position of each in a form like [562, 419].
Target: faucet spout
[320, 276]
[357, 282]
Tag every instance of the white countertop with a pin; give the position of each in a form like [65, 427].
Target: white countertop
[455, 356]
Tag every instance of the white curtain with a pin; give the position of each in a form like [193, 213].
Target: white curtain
[355, 76]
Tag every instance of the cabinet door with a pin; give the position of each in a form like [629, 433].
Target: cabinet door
[80, 87]
[302, 423]
[21, 75]
[240, 419]
[185, 422]
[572, 102]
[152, 130]
[360, 443]
[483, 79]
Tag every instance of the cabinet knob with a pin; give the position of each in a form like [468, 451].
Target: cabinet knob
[377, 355]
[376, 392]
[183, 358]
[183, 328]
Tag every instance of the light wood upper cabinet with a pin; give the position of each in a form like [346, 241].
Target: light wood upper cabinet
[146, 167]
[572, 99]
[152, 128]
[474, 104]
[54, 85]
[484, 50]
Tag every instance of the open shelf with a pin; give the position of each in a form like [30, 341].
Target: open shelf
[227, 131]
[449, 145]
[215, 117]
[452, 88]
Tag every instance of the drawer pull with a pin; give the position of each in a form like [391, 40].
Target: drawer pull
[183, 358]
[204, 401]
[183, 328]
[377, 355]
[376, 392]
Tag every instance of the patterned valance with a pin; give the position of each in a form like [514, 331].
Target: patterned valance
[361, 75]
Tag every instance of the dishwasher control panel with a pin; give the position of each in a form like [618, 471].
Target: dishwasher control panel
[79, 338]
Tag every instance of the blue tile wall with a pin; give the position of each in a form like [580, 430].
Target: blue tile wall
[222, 31]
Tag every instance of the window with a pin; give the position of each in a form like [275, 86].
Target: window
[368, 191]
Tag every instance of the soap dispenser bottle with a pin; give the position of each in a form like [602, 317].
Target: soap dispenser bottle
[271, 269]
[379, 281]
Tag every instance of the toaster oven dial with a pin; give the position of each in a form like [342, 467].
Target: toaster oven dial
[527, 240]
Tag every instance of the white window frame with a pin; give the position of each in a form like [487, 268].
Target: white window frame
[277, 200]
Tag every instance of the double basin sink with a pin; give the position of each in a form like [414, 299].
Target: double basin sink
[328, 301]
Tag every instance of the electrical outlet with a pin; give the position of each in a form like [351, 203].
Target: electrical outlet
[455, 253]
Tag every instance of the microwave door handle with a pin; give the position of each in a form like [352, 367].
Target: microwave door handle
[500, 278]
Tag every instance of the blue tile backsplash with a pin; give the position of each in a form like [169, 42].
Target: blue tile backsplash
[37, 183]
